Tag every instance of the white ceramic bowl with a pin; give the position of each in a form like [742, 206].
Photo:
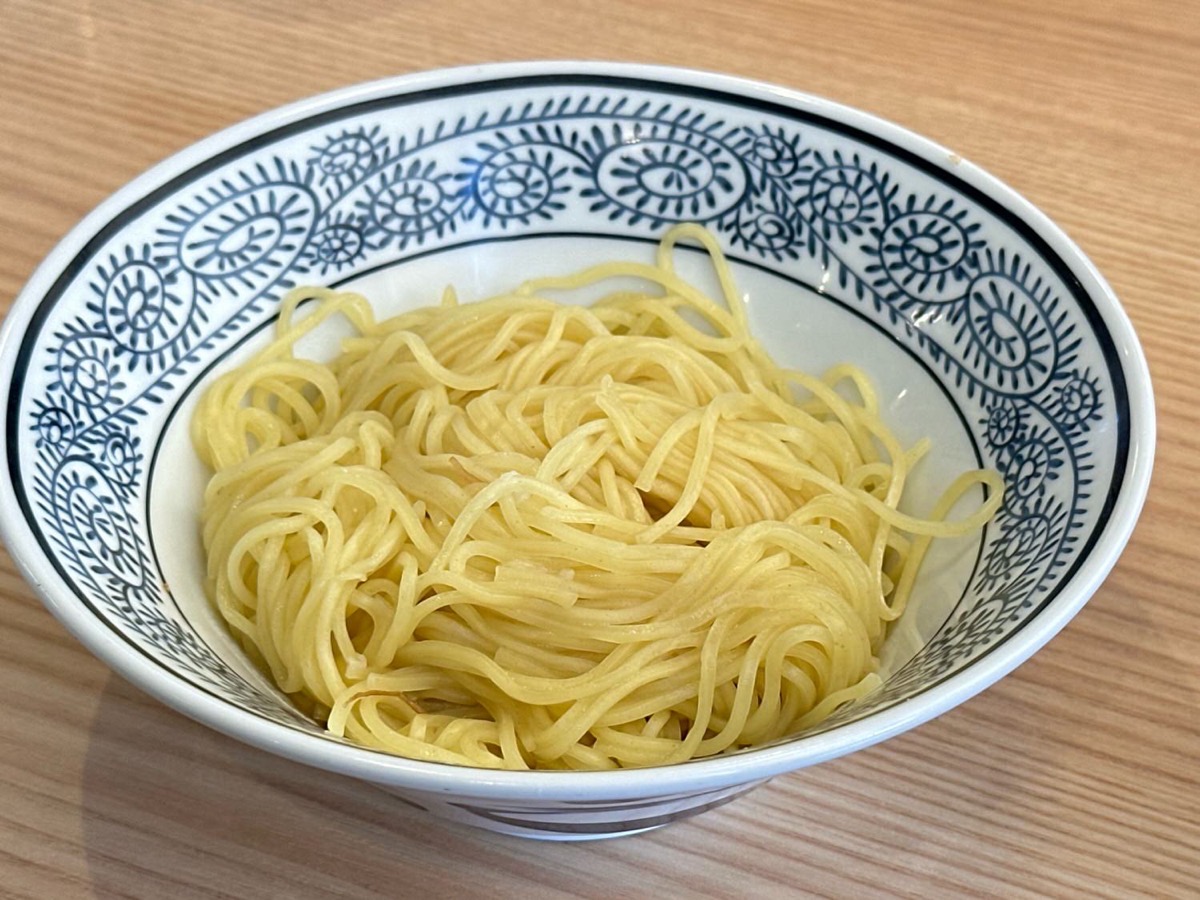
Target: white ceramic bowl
[854, 239]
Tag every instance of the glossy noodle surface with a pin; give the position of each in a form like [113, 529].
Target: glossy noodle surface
[527, 534]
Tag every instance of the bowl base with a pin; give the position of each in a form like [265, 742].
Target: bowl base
[582, 820]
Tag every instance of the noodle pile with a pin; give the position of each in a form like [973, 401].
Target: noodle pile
[526, 534]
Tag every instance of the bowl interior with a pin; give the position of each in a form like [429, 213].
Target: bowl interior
[853, 242]
[798, 325]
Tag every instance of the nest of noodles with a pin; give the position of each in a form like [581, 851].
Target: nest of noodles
[520, 533]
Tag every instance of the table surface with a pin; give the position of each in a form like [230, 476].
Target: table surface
[1077, 775]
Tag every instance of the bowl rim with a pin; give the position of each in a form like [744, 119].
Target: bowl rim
[706, 774]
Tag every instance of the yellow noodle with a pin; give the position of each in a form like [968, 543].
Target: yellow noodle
[523, 534]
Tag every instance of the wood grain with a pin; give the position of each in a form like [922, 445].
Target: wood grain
[1076, 776]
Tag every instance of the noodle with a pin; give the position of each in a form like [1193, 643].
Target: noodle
[524, 534]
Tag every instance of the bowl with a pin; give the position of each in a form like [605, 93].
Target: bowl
[854, 240]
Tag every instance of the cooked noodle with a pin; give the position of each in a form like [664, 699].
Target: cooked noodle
[520, 533]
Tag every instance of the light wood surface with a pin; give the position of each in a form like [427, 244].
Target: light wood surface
[1079, 775]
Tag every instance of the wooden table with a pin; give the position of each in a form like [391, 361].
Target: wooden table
[1078, 775]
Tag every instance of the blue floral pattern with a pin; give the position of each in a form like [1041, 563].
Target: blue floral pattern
[940, 271]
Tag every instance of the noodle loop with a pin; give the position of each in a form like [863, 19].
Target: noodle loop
[517, 533]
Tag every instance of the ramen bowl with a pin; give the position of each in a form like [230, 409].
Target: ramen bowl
[853, 240]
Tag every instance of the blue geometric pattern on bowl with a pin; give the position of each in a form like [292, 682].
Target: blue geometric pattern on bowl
[936, 264]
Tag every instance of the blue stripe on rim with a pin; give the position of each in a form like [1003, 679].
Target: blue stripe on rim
[1027, 233]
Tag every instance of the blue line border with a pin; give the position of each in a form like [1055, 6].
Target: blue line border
[1018, 225]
